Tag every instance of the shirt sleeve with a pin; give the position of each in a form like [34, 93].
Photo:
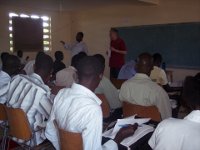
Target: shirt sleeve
[163, 104]
[85, 48]
[92, 135]
[68, 46]
[163, 77]
[122, 46]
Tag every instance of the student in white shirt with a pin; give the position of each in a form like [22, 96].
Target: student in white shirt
[110, 91]
[11, 67]
[159, 76]
[141, 90]
[181, 134]
[77, 109]
[31, 94]
[78, 46]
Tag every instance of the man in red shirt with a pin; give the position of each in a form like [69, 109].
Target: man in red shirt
[118, 52]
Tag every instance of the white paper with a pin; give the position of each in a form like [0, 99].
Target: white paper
[121, 122]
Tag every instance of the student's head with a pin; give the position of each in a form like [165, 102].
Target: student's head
[77, 58]
[20, 54]
[157, 59]
[11, 65]
[101, 59]
[89, 71]
[144, 64]
[113, 34]
[79, 36]
[191, 92]
[59, 55]
[43, 66]
[4, 55]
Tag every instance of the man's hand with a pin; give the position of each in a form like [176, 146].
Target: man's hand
[62, 42]
[113, 49]
[125, 132]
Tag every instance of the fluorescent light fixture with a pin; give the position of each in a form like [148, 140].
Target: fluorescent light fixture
[35, 16]
[24, 16]
[13, 15]
[45, 18]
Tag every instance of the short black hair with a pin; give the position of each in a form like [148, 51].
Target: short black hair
[114, 30]
[4, 55]
[76, 58]
[80, 33]
[11, 65]
[20, 53]
[101, 59]
[43, 63]
[59, 55]
[157, 58]
[89, 67]
[191, 91]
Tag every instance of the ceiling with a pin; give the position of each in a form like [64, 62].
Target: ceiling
[67, 5]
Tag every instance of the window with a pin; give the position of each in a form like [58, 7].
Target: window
[17, 19]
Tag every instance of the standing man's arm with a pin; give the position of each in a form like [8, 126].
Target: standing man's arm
[122, 50]
[85, 48]
[66, 46]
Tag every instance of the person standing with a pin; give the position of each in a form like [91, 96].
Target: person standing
[78, 46]
[117, 53]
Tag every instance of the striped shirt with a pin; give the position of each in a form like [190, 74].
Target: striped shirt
[33, 96]
[4, 86]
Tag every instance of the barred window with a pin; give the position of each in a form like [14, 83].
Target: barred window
[29, 32]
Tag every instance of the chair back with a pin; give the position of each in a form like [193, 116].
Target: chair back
[142, 111]
[19, 126]
[117, 82]
[70, 140]
[3, 115]
[104, 106]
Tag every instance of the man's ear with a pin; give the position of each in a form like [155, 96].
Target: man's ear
[101, 76]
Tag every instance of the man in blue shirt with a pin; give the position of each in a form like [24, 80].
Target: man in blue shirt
[127, 71]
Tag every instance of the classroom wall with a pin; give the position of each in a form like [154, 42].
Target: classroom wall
[60, 28]
[96, 22]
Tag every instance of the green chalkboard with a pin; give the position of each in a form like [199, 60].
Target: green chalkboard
[179, 43]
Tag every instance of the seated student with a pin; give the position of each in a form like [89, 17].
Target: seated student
[11, 67]
[3, 58]
[29, 67]
[159, 76]
[31, 94]
[141, 90]
[127, 71]
[107, 88]
[77, 109]
[58, 64]
[181, 134]
[68, 76]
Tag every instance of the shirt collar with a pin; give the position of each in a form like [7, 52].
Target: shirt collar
[141, 75]
[71, 67]
[37, 77]
[194, 116]
[5, 74]
[85, 91]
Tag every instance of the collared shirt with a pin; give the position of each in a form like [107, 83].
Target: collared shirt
[29, 67]
[4, 86]
[178, 134]
[66, 77]
[141, 90]
[159, 76]
[77, 109]
[127, 71]
[117, 60]
[111, 93]
[77, 47]
[33, 96]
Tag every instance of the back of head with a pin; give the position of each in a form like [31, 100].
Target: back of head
[4, 55]
[89, 71]
[77, 58]
[101, 59]
[144, 63]
[20, 53]
[157, 59]
[43, 66]
[59, 55]
[191, 92]
[11, 65]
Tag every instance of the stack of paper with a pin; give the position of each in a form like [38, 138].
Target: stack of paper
[139, 133]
